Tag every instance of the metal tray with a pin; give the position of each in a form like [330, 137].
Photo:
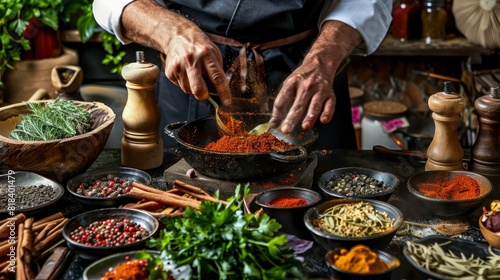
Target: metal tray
[24, 178]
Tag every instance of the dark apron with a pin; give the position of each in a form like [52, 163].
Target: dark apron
[257, 22]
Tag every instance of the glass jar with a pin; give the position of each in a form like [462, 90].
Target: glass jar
[406, 21]
[380, 119]
[434, 18]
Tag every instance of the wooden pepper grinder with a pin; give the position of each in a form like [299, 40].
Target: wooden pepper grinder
[445, 151]
[142, 146]
[486, 149]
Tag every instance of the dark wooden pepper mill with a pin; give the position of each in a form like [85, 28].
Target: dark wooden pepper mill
[142, 146]
[445, 151]
[486, 149]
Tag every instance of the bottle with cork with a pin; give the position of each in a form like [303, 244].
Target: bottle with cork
[486, 149]
[445, 151]
[142, 145]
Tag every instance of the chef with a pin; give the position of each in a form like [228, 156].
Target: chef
[285, 57]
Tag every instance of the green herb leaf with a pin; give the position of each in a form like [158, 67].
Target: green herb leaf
[220, 241]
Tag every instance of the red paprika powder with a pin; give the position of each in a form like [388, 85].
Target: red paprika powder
[459, 188]
[264, 143]
[288, 202]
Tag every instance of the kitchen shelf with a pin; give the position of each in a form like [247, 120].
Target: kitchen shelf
[456, 47]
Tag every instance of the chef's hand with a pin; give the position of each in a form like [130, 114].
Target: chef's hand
[307, 94]
[190, 54]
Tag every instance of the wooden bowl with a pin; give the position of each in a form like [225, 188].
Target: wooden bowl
[56, 159]
[492, 238]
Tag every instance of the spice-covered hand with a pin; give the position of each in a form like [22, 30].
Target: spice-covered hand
[307, 94]
[190, 54]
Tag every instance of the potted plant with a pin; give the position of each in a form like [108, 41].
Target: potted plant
[22, 21]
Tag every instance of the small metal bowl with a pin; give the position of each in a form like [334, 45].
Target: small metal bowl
[24, 178]
[391, 262]
[330, 241]
[290, 218]
[147, 221]
[391, 180]
[126, 173]
[447, 207]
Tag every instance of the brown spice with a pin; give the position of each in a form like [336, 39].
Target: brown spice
[264, 143]
[459, 188]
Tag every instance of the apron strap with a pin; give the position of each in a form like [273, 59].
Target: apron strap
[241, 62]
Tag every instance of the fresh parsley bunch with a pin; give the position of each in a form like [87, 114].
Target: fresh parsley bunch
[221, 242]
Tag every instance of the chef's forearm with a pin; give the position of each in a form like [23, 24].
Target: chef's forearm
[335, 42]
[147, 23]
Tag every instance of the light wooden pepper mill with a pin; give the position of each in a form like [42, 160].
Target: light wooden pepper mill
[445, 151]
[486, 149]
[142, 146]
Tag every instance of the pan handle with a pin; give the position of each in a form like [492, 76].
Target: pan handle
[296, 155]
[170, 128]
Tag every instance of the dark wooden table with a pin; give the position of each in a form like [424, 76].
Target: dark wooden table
[315, 264]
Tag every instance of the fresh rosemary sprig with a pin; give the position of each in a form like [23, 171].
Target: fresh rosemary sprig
[58, 119]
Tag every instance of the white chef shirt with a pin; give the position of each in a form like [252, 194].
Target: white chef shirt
[371, 18]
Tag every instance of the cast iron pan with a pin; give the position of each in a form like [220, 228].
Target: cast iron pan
[194, 136]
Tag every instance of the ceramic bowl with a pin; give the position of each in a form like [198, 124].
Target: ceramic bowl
[290, 218]
[59, 159]
[492, 238]
[391, 262]
[392, 182]
[447, 207]
[89, 252]
[330, 241]
[126, 173]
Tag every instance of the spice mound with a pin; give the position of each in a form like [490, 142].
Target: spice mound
[353, 184]
[359, 259]
[27, 196]
[264, 143]
[287, 202]
[358, 219]
[109, 233]
[109, 186]
[459, 188]
[491, 219]
[129, 270]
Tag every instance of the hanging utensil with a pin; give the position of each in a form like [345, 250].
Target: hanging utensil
[218, 119]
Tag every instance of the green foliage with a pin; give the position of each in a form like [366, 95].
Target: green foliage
[58, 119]
[222, 242]
[15, 16]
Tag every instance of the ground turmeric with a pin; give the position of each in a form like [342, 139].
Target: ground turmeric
[359, 259]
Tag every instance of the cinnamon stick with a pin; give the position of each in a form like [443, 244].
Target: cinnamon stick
[52, 235]
[196, 192]
[5, 248]
[27, 248]
[20, 274]
[4, 227]
[189, 187]
[148, 205]
[50, 218]
[43, 233]
[146, 188]
[165, 198]
[41, 226]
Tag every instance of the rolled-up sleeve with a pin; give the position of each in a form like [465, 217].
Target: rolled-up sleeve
[371, 18]
[107, 13]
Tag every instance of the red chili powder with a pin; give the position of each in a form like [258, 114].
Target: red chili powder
[459, 188]
[288, 202]
[264, 143]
